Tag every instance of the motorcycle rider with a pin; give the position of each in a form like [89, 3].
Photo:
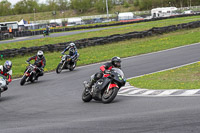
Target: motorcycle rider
[47, 30]
[72, 51]
[40, 62]
[105, 70]
[6, 71]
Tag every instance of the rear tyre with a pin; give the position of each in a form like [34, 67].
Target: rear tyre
[59, 68]
[110, 95]
[86, 96]
[33, 78]
[23, 80]
[72, 67]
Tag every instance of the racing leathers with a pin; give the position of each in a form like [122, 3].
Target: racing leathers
[72, 52]
[6, 73]
[105, 70]
[40, 63]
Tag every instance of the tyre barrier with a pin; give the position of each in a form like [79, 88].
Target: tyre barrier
[86, 42]
[32, 33]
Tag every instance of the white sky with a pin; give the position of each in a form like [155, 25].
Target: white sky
[15, 1]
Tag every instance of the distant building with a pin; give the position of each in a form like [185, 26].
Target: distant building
[9, 26]
[163, 12]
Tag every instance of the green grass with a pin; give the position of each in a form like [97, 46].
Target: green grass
[123, 49]
[186, 77]
[67, 14]
[102, 33]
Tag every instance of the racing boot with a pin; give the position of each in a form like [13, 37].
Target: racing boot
[89, 84]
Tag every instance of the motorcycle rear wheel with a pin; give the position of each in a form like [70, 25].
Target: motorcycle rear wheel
[33, 79]
[86, 96]
[59, 68]
[109, 96]
[23, 80]
[72, 68]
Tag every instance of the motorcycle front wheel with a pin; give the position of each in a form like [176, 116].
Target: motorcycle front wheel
[109, 96]
[59, 68]
[23, 80]
[86, 96]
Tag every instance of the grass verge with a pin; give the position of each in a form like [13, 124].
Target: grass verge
[186, 77]
[123, 49]
[102, 33]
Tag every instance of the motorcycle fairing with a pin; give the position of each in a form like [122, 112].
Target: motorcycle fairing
[102, 83]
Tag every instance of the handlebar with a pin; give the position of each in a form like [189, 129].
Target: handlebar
[33, 66]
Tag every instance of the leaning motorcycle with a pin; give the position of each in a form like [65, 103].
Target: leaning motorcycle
[29, 74]
[106, 88]
[45, 33]
[3, 84]
[66, 63]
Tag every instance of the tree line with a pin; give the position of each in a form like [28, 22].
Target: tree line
[81, 6]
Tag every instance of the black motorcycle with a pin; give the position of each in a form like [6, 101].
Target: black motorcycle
[106, 88]
[66, 63]
[30, 74]
[3, 85]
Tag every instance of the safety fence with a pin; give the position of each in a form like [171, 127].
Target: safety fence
[6, 36]
[99, 40]
[32, 33]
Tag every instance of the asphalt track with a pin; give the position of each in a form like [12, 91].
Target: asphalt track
[57, 34]
[54, 105]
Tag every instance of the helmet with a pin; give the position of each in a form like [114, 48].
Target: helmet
[116, 61]
[40, 54]
[72, 44]
[8, 65]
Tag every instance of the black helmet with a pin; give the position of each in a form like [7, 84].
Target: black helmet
[8, 65]
[40, 54]
[116, 61]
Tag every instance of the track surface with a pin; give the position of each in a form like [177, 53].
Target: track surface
[57, 34]
[54, 105]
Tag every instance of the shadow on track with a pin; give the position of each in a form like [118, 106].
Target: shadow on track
[36, 82]
[8, 98]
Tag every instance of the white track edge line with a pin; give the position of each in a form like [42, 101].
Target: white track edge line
[133, 57]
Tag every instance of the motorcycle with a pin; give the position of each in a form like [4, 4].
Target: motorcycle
[3, 85]
[106, 88]
[29, 74]
[45, 33]
[66, 63]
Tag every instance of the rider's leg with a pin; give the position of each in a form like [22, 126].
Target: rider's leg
[97, 76]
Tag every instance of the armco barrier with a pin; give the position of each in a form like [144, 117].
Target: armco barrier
[99, 40]
[32, 33]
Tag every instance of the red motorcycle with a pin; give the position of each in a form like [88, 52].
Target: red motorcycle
[29, 74]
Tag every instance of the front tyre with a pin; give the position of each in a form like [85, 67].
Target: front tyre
[110, 95]
[23, 80]
[59, 68]
[86, 96]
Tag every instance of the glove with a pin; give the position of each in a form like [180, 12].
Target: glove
[62, 52]
[107, 72]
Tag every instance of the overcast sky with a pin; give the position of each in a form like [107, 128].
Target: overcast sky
[15, 1]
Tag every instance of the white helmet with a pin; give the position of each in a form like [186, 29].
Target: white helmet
[40, 54]
[72, 44]
[8, 65]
